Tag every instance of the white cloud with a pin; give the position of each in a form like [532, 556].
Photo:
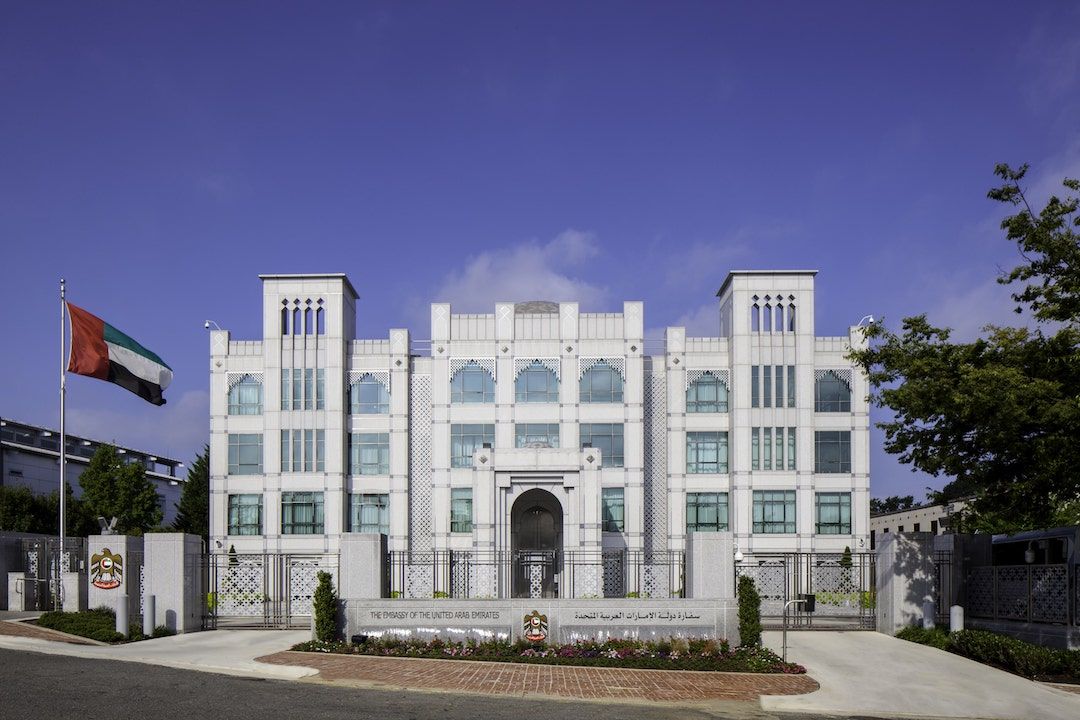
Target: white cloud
[178, 429]
[526, 271]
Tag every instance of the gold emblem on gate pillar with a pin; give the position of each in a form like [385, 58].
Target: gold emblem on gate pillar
[106, 569]
[535, 627]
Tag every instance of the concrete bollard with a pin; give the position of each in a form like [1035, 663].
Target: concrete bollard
[122, 616]
[148, 616]
[929, 612]
[956, 618]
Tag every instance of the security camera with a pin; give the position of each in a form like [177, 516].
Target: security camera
[207, 324]
[871, 321]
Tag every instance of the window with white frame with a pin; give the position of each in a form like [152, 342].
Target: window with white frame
[774, 511]
[245, 454]
[608, 437]
[368, 396]
[832, 451]
[302, 513]
[536, 384]
[472, 384]
[707, 394]
[369, 513]
[461, 510]
[245, 396]
[467, 438]
[611, 504]
[831, 393]
[706, 453]
[706, 512]
[833, 513]
[545, 434]
[303, 450]
[601, 384]
[369, 453]
[245, 514]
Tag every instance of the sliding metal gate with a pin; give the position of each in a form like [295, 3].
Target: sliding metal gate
[842, 583]
[263, 590]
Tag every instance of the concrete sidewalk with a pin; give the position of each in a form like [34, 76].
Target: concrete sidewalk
[231, 652]
[868, 673]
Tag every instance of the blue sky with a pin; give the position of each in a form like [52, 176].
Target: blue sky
[160, 157]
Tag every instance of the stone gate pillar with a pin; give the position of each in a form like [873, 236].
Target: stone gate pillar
[174, 578]
[115, 570]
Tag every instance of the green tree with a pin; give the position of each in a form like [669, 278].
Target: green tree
[891, 504]
[749, 612]
[20, 510]
[113, 488]
[193, 510]
[1000, 415]
[845, 559]
[324, 605]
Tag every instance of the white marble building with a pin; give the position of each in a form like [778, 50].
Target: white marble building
[538, 426]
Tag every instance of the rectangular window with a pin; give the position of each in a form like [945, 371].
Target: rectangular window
[755, 448]
[309, 450]
[245, 514]
[461, 510]
[297, 450]
[706, 512]
[774, 511]
[526, 434]
[245, 397]
[309, 388]
[779, 437]
[766, 391]
[320, 450]
[245, 454]
[608, 437]
[320, 389]
[612, 509]
[755, 392]
[286, 438]
[297, 389]
[933, 526]
[369, 454]
[303, 450]
[302, 513]
[766, 446]
[706, 453]
[791, 448]
[832, 451]
[369, 513]
[779, 372]
[467, 439]
[286, 389]
[791, 386]
[833, 513]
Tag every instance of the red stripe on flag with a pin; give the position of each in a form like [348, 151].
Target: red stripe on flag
[89, 353]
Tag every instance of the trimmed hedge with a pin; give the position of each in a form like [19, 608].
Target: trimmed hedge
[673, 654]
[97, 624]
[1001, 651]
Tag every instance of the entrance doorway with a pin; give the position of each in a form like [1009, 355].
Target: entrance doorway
[536, 520]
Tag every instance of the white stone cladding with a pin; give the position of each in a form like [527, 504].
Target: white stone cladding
[420, 477]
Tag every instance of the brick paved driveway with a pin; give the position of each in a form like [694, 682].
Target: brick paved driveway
[24, 629]
[474, 676]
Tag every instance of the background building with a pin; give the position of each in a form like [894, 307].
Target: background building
[538, 427]
[30, 457]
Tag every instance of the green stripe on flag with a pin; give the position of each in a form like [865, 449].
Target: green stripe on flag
[114, 336]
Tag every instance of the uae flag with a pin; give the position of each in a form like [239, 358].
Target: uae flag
[99, 350]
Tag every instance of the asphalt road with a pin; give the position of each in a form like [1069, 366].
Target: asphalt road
[57, 687]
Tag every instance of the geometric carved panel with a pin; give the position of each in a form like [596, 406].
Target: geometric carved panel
[420, 525]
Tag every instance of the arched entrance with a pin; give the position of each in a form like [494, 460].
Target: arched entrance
[536, 520]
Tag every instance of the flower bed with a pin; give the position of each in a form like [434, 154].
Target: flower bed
[97, 624]
[674, 654]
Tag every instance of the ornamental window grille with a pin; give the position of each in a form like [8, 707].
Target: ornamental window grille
[466, 439]
[608, 438]
[245, 454]
[832, 451]
[774, 511]
[706, 453]
[302, 513]
[369, 513]
[472, 384]
[833, 513]
[245, 394]
[368, 395]
[612, 509]
[245, 514]
[461, 510]
[369, 453]
[536, 383]
[601, 383]
[706, 512]
[832, 391]
[536, 434]
[707, 394]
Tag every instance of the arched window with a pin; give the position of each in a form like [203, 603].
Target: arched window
[320, 319]
[309, 327]
[791, 315]
[245, 396]
[832, 393]
[285, 318]
[766, 324]
[778, 321]
[472, 384]
[707, 394]
[536, 383]
[296, 328]
[368, 396]
[601, 384]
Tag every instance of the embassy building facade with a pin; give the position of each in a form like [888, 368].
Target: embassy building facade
[538, 428]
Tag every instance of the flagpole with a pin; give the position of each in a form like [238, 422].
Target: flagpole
[63, 445]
